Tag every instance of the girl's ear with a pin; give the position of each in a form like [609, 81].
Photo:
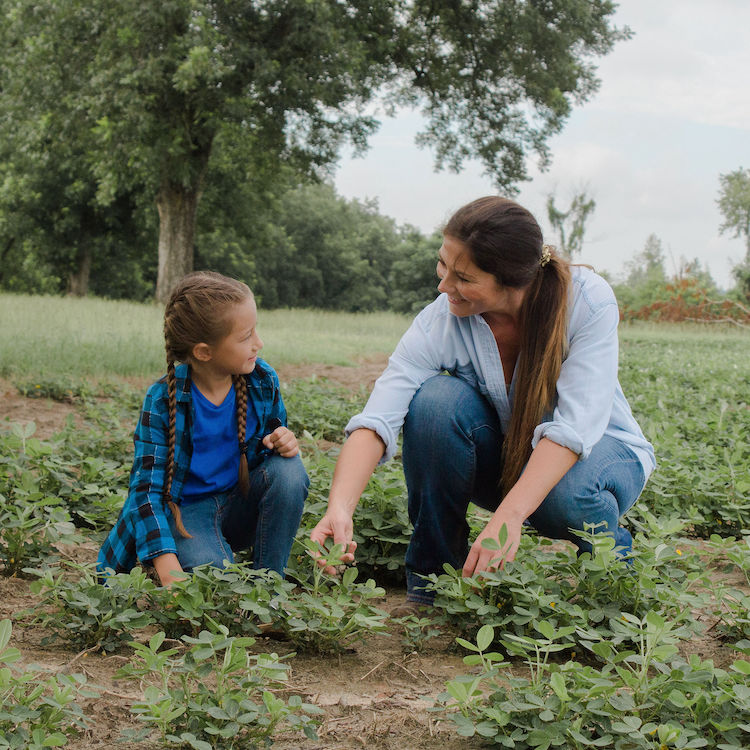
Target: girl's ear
[201, 352]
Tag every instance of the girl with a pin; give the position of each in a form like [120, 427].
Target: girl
[215, 469]
[533, 425]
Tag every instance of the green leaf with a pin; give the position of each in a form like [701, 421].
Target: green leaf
[545, 628]
[55, 740]
[6, 629]
[485, 636]
[557, 683]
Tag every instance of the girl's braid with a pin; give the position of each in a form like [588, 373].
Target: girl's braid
[172, 393]
[240, 389]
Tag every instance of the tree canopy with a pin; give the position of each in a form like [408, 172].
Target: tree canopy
[144, 93]
[570, 225]
[734, 204]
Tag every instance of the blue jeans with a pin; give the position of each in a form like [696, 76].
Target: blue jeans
[266, 521]
[451, 453]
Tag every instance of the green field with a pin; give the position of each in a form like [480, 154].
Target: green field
[57, 336]
[561, 651]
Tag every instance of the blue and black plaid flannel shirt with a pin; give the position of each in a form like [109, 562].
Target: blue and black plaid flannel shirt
[142, 531]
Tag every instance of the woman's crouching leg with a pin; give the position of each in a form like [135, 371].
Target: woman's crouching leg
[594, 493]
[451, 453]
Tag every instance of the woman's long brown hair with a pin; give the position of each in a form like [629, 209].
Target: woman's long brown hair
[199, 312]
[505, 240]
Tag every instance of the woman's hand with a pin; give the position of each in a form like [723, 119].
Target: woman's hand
[283, 441]
[547, 465]
[480, 559]
[340, 529]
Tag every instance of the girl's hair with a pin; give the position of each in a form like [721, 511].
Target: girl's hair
[199, 312]
[505, 240]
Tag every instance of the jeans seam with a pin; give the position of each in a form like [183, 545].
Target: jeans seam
[262, 520]
[217, 528]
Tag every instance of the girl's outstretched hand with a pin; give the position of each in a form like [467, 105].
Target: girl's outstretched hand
[283, 441]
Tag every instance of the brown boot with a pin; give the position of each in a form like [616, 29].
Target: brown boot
[411, 609]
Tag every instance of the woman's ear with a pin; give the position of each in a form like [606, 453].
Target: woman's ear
[201, 352]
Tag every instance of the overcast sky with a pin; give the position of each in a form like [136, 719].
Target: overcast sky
[671, 115]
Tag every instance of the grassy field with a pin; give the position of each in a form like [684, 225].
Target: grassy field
[80, 338]
[96, 338]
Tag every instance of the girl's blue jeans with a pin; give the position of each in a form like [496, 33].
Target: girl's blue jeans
[451, 455]
[266, 521]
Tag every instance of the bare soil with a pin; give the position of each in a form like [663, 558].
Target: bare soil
[48, 415]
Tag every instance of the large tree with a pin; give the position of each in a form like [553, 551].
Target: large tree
[287, 81]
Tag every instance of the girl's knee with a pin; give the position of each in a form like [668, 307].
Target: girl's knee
[288, 480]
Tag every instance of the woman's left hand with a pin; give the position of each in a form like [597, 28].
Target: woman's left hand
[282, 441]
[481, 559]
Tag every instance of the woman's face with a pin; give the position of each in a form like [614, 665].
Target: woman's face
[470, 290]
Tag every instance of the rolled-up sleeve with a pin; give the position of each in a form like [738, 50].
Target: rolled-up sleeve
[587, 383]
[414, 360]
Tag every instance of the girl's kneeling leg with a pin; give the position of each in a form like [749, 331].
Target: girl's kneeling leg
[202, 519]
[268, 520]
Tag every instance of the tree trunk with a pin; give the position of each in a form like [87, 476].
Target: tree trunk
[78, 280]
[3, 266]
[178, 207]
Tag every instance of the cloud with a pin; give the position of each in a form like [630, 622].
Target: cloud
[673, 113]
[687, 59]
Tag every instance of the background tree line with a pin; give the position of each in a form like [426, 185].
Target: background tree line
[306, 247]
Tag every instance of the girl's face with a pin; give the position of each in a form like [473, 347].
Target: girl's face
[470, 290]
[237, 352]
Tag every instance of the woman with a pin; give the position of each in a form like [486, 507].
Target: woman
[533, 416]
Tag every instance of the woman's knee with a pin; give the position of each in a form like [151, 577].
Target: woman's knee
[446, 404]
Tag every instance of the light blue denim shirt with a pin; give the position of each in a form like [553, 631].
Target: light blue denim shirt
[589, 402]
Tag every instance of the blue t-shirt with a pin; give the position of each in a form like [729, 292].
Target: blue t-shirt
[215, 463]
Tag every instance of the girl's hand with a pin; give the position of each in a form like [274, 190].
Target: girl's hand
[282, 441]
[168, 569]
[480, 559]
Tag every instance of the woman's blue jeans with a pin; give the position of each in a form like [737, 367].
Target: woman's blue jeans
[266, 521]
[451, 454]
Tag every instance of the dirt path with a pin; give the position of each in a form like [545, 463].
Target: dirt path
[49, 416]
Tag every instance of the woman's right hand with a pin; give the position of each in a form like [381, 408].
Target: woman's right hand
[357, 460]
[340, 528]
